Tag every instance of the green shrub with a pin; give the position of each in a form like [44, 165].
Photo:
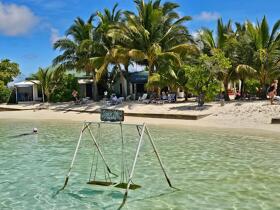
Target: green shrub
[4, 93]
[64, 91]
[251, 86]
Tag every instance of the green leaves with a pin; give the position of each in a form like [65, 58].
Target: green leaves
[245, 71]
[8, 71]
[4, 92]
[50, 79]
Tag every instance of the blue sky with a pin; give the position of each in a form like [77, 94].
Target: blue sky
[29, 27]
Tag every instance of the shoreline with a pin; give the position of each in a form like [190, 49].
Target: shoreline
[238, 116]
[207, 123]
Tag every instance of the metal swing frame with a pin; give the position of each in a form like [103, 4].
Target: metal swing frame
[142, 130]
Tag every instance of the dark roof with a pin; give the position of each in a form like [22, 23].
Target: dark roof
[140, 77]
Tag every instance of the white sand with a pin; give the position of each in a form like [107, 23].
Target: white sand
[234, 115]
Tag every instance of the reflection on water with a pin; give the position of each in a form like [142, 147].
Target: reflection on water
[212, 169]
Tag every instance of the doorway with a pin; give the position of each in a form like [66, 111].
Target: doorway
[89, 90]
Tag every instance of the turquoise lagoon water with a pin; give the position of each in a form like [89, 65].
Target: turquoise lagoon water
[213, 169]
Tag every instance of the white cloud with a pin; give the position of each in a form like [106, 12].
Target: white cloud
[55, 35]
[16, 20]
[207, 16]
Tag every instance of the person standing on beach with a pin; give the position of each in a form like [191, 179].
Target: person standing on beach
[75, 95]
[272, 91]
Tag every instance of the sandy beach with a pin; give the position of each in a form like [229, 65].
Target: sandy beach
[244, 116]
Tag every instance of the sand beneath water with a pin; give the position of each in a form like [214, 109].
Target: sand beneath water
[242, 116]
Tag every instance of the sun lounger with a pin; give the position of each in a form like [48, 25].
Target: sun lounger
[85, 100]
[128, 98]
[172, 98]
[144, 97]
[115, 101]
[277, 99]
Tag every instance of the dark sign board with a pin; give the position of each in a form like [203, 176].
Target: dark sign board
[112, 115]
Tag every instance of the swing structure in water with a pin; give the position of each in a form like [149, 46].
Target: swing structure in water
[115, 117]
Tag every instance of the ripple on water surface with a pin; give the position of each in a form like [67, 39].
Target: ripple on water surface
[214, 169]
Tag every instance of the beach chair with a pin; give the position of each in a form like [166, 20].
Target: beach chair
[163, 98]
[277, 99]
[120, 100]
[171, 98]
[128, 98]
[144, 97]
[85, 100]
[115, 101]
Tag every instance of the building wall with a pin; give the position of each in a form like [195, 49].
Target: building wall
[82, 90]
[35, 93]
[117, 87]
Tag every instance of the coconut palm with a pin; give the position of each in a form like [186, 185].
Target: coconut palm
[155, 32]
[244, 72]
[244, 56]
[107, 19]
[50, 78]
[107, 51]
[77, 49]
[266, 51]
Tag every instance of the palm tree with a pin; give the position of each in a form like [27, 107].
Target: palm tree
[244, 56]
[106, 50]
[50, 79]
[77, 49]
[244, 72]
[155, 33]
[225, 41]
[266, 51]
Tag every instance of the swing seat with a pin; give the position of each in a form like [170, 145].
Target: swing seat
[101, 183]
[124, 186]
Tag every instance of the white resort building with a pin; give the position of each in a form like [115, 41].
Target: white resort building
[27, 91]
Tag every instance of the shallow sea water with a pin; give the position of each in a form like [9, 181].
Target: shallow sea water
[213, 169]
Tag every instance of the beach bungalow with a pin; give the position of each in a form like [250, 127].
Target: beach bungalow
[85, 87]
[28, 91]
[133, 84]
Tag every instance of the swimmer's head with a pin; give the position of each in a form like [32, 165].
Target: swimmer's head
[35, 130]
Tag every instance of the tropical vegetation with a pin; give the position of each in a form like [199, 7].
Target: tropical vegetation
[155, 36]
[8, 71]
[55, 85]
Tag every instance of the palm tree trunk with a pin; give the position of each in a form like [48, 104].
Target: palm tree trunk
[263, 94]
[242, 88]
[95, 89]
[123, 81]
[150, 67]
[43, 95]
[226, 92]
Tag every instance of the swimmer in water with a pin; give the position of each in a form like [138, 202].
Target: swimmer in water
[34, 131]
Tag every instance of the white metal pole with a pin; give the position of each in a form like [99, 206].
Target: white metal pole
[100, 152]
[158, 157]
[74, 157]
[133, 166]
